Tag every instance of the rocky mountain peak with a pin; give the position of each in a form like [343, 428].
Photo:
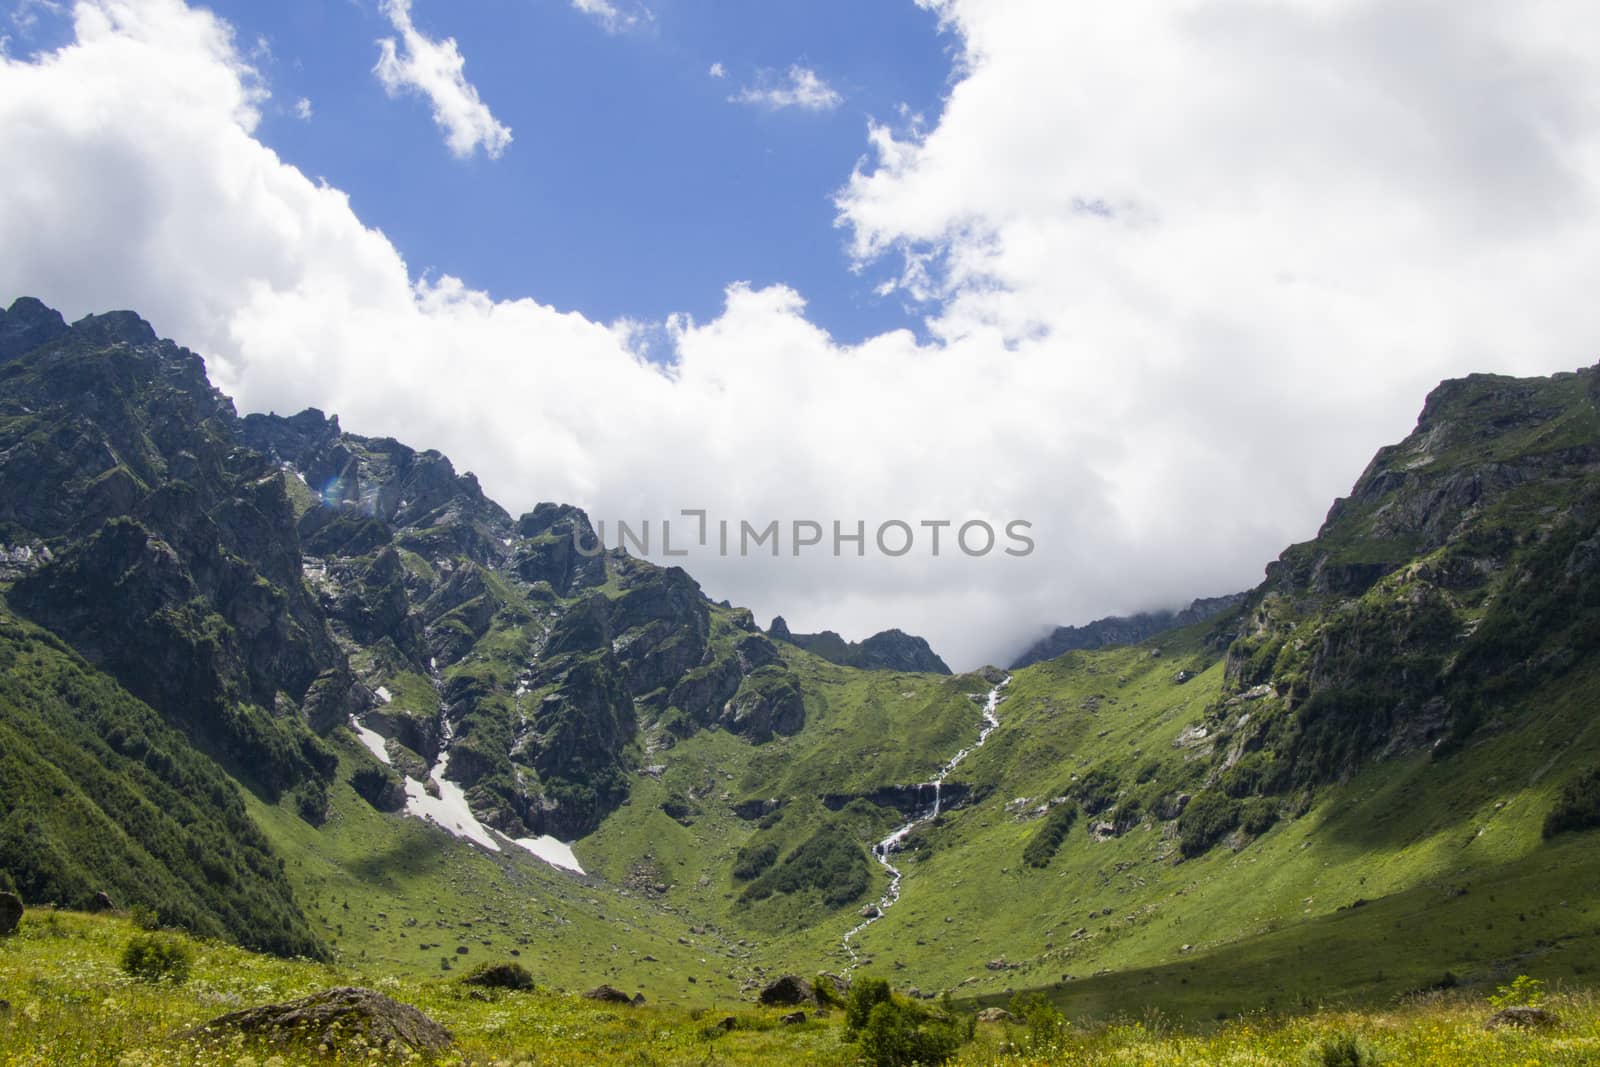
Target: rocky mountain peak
[26, 325]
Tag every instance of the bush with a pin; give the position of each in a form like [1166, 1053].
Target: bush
[1046, 1025]
[753, 860]
[1209, 818]
[898, 1034]
[865, 994]
[1341, 1050]
[500, 976]
[830, 991]
[1258, 816]
[1097, 790]
[829, 862]
[1523, 992]
[1577, 807]
[153, 958]
[1046, 840]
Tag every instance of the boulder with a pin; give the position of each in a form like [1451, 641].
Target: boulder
[336, 1018]
[793, 1018]
[608, 994]
[788, 991]
[10, 913]
[1523, 1018]
[102, 902]
[996, 1015]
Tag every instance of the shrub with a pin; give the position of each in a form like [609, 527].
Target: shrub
[1341, 1050]
[1523, 992]
[1207, 819]
[865, 994]
[753, 860]
[830, 991]
[828, 861]
[153, 958]
[898, 1034]
[508, 975]
[1258, 816]
[1046, 840]
[1097, 790]
[1046, 1025]
[1577, 807]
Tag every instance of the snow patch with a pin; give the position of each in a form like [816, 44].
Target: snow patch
[382, 693]
[374, 742]
[554, 852]
[449, 810]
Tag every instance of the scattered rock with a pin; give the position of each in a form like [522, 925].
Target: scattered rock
[793, 1018]
[500, 976]
[1525, 1018]
[996, 1015]
[1181, 677]
[788, 991]
[728, 1024]
[870, 911]
[336, 1018]
[608, 994]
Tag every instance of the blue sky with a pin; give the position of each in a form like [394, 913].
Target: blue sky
[633, 186]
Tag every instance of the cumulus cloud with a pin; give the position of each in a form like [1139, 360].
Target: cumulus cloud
[302, 109]
[801, 87]
[1173, 304]
[718, 71]
[610, 17]
[436, 70]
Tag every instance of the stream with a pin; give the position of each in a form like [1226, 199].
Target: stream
[886, 848]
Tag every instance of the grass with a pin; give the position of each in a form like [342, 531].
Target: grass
[68, 1002]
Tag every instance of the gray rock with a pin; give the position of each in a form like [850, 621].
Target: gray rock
[608, 994]
[1523, 1018]
[790, 990]
[336, 1018]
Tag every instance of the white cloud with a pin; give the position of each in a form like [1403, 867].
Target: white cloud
[800, 88]
[435, 69]
[718, 71]
[612, 18]
[1177, 299]
[302, 109]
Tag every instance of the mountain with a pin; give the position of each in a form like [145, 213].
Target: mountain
[314, 692]
[888, 650]
[1116, 630]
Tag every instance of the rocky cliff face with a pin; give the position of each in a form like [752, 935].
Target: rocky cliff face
[1124, 629]
[1463, 568]
[264, 580]
[889, 650]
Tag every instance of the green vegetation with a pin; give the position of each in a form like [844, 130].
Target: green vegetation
[156, 958]
[69, 1002]
[1578, 806]
[99, 795]
[828, 863]
[1052, 831]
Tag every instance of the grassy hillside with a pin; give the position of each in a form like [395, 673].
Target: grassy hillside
[99, 795]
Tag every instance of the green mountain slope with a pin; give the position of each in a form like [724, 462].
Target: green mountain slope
[273, 644]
